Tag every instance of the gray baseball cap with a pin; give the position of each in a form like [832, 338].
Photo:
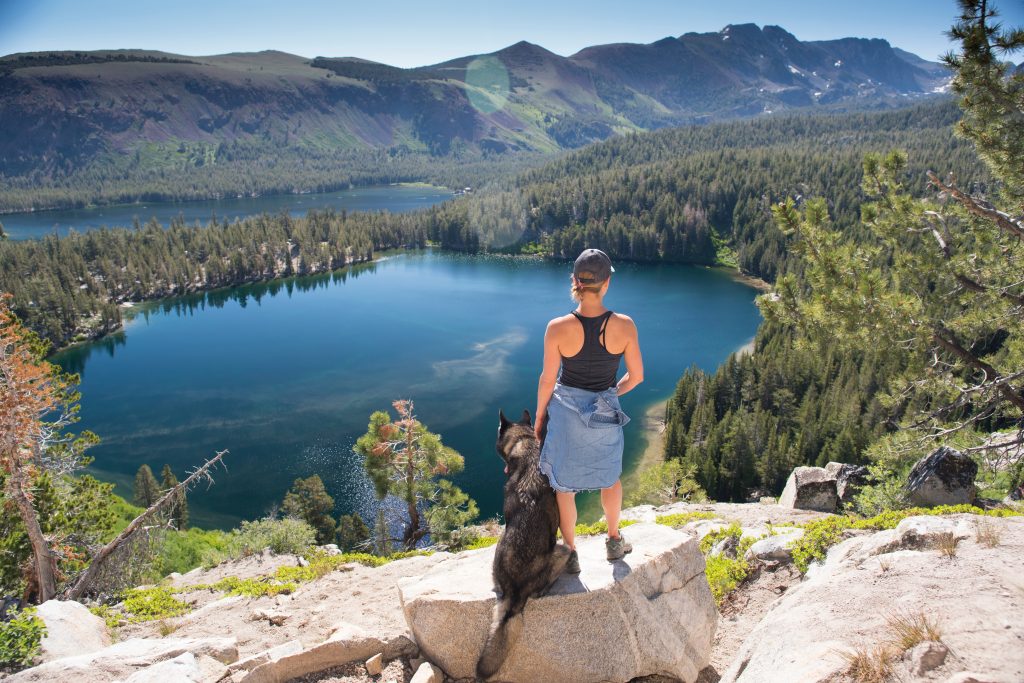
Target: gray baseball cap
[592, 266]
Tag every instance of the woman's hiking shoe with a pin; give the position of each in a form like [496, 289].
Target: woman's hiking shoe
[617, 547]
[573, 565]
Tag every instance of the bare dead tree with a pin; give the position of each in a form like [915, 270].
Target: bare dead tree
[85, 581]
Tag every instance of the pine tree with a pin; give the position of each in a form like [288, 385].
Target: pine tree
[146, 490]
[406, 460]
[352, 532]
[309, 501]
[179, 508]
[38, 402]
[938, 278]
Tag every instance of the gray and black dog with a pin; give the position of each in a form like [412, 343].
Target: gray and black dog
[528, 558]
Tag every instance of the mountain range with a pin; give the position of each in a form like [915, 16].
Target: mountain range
[60, 111]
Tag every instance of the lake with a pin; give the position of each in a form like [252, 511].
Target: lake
[285, 374]
[393, 198]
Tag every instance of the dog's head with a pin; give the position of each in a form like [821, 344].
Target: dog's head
[510, 433]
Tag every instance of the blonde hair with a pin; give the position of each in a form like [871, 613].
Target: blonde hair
[577, 288]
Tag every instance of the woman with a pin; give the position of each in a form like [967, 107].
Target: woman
[578, 415]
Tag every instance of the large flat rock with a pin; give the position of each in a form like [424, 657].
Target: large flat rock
[650, 613]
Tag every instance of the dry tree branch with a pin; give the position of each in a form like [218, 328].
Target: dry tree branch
[83, 582]
[980, 207]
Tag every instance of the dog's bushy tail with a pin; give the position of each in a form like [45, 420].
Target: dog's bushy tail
[505, 630]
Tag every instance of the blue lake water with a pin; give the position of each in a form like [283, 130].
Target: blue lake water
[285, 375]
[394, 198]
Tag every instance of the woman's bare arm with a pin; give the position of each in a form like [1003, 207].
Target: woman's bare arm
[548, 376]
[634, 361]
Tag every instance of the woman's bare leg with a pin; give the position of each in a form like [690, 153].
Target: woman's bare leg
[567, 517]
[611, 501]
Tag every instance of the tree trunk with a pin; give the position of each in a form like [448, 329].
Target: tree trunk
[42, 558]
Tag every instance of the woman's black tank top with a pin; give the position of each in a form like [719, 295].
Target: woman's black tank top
[593, 368]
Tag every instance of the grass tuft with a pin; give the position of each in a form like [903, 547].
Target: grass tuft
[166, 628]
[946, 543]
[869, 665]
[988, 534]
[911, 628]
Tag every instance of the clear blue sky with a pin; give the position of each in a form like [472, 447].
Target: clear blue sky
[425, 32]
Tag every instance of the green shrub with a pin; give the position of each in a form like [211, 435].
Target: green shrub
[254, 588]
[282, 536]
[20, 639]
[725, 575]
[157, 602]
[482, 542]
[819, 536]
[378, 560]
[182, 551]
[887, 494]
[709, 541]
[683, 518]
[107, 614]
[666, 482]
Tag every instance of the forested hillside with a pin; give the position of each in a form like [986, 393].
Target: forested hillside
[677, 194]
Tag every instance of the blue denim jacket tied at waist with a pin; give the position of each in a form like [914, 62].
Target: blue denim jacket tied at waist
[583, 447]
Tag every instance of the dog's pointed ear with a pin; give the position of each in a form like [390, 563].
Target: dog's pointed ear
[525, 419]
[503, 421]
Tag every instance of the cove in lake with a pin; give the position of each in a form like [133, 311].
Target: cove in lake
[393, 198]
[285, 374]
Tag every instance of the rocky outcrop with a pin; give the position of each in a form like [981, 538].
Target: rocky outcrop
[869, 583]
[650, 613]
[943, 477]
[849, 479]
[810, 488]
[71, 629]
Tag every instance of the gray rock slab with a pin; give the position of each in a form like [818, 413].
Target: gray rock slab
[71, 629]
[810, 488]
[943, 477]
[650, 613]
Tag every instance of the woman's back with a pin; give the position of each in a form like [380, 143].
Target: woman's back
[593, 367]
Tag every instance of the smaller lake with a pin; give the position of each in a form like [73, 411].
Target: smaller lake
[393, 198]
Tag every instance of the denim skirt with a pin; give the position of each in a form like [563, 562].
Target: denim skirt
[583, 447]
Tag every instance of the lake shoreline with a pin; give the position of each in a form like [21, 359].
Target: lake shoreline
[748, 279]
[216, 197]
[89, 334]
[653, 427]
